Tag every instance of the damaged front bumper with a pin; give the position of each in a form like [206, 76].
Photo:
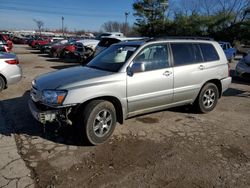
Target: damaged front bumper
[43, 116]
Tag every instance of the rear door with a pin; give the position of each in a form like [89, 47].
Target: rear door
[192, 69]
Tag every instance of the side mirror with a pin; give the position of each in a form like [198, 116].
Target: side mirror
[136, 67]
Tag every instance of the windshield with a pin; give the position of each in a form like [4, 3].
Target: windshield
[113, 58]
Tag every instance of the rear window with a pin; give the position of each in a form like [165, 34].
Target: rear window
[186, 53]
[209, 52]
[107, 42]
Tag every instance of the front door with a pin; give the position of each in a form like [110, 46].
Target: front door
[151, 89]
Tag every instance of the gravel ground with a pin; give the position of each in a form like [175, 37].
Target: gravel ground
[172, 148]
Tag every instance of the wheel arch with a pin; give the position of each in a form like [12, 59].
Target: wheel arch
[115, 101]
[5, 80]
[216, 82]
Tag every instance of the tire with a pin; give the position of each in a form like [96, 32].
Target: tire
[2, 83]
[54, 54]
[96, 122]
[207, 98]
[51, 54]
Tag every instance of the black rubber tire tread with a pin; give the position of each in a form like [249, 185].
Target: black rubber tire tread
[199, 104]
[86, 118]
[2, 83]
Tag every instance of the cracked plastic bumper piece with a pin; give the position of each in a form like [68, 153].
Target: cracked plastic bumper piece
[42, 116]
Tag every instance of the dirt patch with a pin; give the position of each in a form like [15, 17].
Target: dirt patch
[234, 153]
[38, 67]
[131, 162]
[148, 120]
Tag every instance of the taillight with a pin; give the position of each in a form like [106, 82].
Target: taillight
[12, 61]
[228, 69]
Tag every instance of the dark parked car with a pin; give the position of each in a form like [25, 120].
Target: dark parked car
[243, 67]
[20, 40]
[45, 48]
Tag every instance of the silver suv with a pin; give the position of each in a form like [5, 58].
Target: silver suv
[128, 79]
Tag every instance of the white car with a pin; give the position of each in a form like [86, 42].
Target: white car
[105, 42]
[110, 34]
[90, 43]
[10, 70]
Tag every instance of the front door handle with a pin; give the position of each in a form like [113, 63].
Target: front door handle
[167, 73]
[202, 67]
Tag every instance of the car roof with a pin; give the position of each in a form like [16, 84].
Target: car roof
[131, 43]
[144, 41]
[123, 38]
[221, 42]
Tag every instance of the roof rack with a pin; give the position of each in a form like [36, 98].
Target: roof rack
[180, 37]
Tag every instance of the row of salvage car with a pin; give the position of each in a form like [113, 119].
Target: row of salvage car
[79, 49]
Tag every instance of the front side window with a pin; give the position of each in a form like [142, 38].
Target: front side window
[113, 58]
[186, 53]
[154, 57]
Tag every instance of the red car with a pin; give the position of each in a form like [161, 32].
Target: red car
[37, 43]
[68, 50]
[6, 40]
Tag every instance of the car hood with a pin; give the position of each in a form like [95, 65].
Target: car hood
[67, 78]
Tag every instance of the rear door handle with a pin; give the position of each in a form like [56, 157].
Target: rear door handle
[167, 73]
[202, 67]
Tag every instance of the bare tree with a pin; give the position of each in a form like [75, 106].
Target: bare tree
[186, 7]
[208, 7]
[39, 24]
[112, 26]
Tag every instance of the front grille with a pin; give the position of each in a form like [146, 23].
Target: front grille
[41, 106]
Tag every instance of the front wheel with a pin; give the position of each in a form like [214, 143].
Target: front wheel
[97, 122]
[207, 98]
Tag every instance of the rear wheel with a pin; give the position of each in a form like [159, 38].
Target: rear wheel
[2, 83]
[54, 54]
[97, 122]
[207, 98]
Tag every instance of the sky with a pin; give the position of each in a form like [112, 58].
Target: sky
[78, 14]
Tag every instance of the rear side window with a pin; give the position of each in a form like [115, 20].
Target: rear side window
[209, 52]
[186, 53]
